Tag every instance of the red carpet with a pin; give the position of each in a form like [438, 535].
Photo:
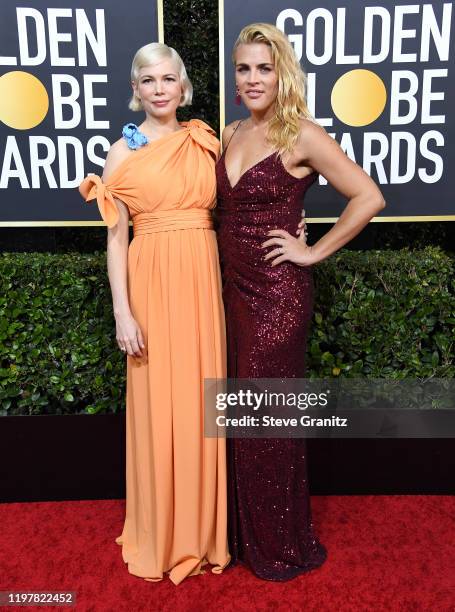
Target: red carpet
[385, 553]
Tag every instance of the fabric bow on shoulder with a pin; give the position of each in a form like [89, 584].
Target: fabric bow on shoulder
[93, 187]
[204, 135]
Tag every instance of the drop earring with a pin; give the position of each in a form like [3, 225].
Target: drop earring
[238, 99]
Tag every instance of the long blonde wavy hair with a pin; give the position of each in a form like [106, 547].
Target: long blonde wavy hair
[290, 106]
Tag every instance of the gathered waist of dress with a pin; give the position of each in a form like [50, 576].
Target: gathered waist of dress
[171, 220]
[276, 215]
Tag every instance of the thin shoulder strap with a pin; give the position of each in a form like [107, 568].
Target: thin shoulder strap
[235, 129]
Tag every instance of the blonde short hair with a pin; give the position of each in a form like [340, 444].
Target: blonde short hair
[152, 54]
[290, 107]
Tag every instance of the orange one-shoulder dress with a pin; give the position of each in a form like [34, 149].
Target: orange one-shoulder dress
[175, 476]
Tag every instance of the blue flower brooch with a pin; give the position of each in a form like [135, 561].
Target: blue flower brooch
[134, 138]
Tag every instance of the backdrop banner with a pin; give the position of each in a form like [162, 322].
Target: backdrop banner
[64, 91]
[378, 80]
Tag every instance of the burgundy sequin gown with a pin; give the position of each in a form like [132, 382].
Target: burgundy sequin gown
[268, 311]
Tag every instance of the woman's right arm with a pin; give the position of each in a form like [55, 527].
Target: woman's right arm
[128, 333]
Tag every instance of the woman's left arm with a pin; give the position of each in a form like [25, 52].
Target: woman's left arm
[321, 152]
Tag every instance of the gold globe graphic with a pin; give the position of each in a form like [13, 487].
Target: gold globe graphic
[23, 100]
[358, 97]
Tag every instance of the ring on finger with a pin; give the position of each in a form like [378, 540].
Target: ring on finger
[123, 349]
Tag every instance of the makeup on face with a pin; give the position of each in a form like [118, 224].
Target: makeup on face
[255, 75]
[158, 87]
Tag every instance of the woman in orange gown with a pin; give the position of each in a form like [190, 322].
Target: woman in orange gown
[166, 291]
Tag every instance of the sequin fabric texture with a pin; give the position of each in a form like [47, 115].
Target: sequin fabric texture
[268, 310]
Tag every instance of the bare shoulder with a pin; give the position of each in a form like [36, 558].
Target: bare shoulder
[228, 131]
[117, 153]
[313, 141]
[310, 131]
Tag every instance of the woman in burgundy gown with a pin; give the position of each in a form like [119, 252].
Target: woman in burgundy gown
[268, 287]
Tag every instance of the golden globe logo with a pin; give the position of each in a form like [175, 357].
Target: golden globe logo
[358, 97]
[402, 39]
[23, 100]
[73, 100]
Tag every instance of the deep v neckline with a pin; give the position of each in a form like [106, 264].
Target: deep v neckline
[232, 188]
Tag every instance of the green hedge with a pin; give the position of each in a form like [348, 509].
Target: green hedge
[384, 314]
[191, 27]
[378, 314]
[57, 335]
